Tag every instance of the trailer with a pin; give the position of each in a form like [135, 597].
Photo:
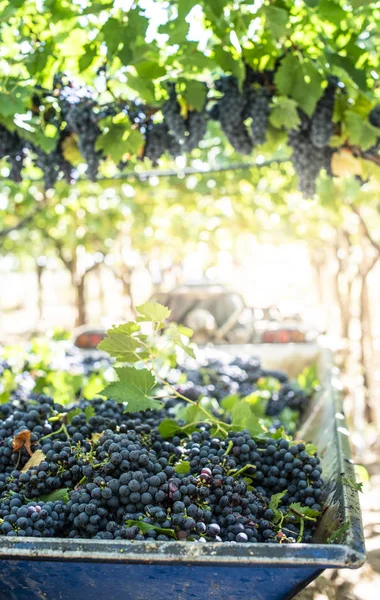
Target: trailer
[63, 569]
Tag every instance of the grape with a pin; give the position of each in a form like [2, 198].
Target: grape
[374, 116]
[322, 126]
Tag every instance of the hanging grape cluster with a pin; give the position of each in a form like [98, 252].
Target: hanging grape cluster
[243, 113]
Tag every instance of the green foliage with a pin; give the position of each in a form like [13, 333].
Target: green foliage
[128, 54]
[308, 379]
[61, 495]
[183, 467]
[303, 512]
[7, 386]
[358, 487]
[134, 389]
[144, 527]
[339, 535]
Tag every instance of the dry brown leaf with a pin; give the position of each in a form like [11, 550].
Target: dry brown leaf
[36, 459]
[22, 439]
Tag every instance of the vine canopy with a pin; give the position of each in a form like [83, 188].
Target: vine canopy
[98, 85]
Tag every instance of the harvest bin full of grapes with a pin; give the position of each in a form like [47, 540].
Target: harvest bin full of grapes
[247, 492]
[189, 275]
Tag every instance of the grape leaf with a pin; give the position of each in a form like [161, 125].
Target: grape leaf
[168, 427]
[182, 467]
[174, 334]
[133, 389]
[331, 11]
[303, 511]
[301, 81]
[20, 440]
[339, 534]
[73, 413]
[277, 19]
[153, 311]
[228, 402]
[243, 418]
[89, 412]
[195, 94]
[120, 344]
[58, 495]
[276, 499]
[311, 449]
[358, 487]
[36, 459]
[284, 113]
[280, 434]
[150, 69]
[144, 527]
[360, 132]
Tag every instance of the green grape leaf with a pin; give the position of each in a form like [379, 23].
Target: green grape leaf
[195, 94]
[357, 487]
[90, 51]
[301, 81]
[120, 343]
[284, 113]
[308, 379]
[10, 104]
[149, 69]
[311, 449]
[118, 138]
[193, 414]
[174, 334]
[280, 434]
[176, 29]
[61, 495]
[182, 467]
[152, 311]
[89, 412]
[339, 535]
[144, 527]
[359, 131]
[243, 418]
[303, 512]
[168, 427]
[230, 64]
[257, 403]
[133, 389]
[277, 20]
[73, 413]
[329, 10]
[276, 499]
[228, 402]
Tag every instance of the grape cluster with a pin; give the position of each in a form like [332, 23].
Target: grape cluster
[322, 126]
[31, 519]
[307, 159]
[217, 379]
[125, 485]
[158, 140]
[82, 120]
[258, 109]
[188, 132]
[11, 146]
[230, 112]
